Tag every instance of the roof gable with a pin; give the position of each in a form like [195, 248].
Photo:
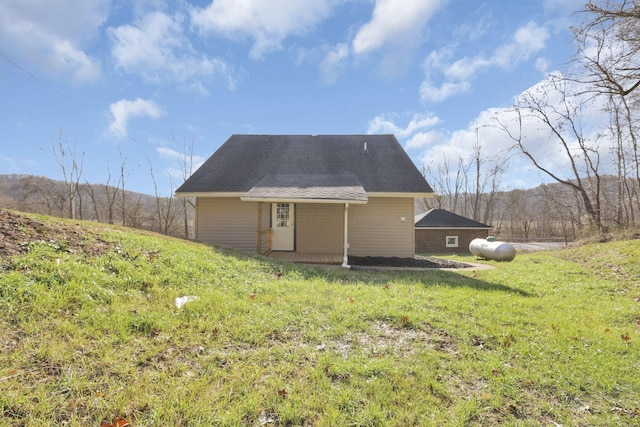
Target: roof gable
[378, 163]
[441, 218]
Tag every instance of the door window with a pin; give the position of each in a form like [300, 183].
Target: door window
[282, 215]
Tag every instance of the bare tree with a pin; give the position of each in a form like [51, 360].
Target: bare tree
[71, 167]
[609, 56]
[186, 169]
[165, 209]
[614, 27]
[483, 189]
[561, 117]
[121, 181]
[94, 201]
[448, 182]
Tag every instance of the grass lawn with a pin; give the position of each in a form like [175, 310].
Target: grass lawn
[92, 333]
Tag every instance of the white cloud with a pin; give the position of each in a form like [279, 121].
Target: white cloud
[39, 34]
[431, 93]
[125, 109]
[180, 163]
[542, 65]
[383, 125]
[424, 139]
[396, 22]
[170, 153]
[527, 40]
[157, 49]
[455, 76]
[80, 64]
[10, 164]
[333, 62]
[267, 22]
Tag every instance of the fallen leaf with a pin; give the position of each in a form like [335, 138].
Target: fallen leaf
[252, 296]
[282, 393]
[625, 337]
[118, 422]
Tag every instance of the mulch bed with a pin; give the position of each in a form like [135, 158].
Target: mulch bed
[417, 262]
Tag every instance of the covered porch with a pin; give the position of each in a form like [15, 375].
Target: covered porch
[294, 221]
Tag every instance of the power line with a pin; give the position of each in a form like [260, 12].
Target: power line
[33, 76]
[59, 93]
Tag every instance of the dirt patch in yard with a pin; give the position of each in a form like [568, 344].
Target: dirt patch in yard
[417, 262]
[18, 231]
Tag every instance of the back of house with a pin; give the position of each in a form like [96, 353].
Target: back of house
[333, 194]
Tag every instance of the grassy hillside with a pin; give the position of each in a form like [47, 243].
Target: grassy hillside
[90, 333]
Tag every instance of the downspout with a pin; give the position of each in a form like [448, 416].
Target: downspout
[345, 259]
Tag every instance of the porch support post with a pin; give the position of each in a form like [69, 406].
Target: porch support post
[345, 259]
[259, 241]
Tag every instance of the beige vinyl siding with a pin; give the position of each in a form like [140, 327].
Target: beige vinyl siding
[376, 229]
[319, 227]
[227, 221]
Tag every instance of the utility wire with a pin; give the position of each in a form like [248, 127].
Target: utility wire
[33, 76]
[57, 92]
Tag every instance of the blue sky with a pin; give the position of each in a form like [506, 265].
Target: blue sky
[141, 80]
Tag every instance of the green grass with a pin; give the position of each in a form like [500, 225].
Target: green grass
[549, 339]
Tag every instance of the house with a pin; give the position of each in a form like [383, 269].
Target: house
[322, 194]
[441, 231]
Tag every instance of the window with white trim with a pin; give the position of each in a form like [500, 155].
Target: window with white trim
[452, 241]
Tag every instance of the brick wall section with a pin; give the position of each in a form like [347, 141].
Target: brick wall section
[433, 241]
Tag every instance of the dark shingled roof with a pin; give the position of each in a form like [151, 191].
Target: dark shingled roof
[440, 218]
[308, 166]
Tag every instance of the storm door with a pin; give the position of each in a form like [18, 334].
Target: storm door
[282, 226]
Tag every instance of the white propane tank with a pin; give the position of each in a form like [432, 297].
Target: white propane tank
[492, 249]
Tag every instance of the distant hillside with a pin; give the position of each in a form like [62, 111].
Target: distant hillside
[94, 202]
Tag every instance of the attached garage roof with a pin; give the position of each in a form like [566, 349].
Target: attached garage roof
[309, 167]
[441, 218]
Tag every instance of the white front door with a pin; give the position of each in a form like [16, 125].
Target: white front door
[282, 226]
